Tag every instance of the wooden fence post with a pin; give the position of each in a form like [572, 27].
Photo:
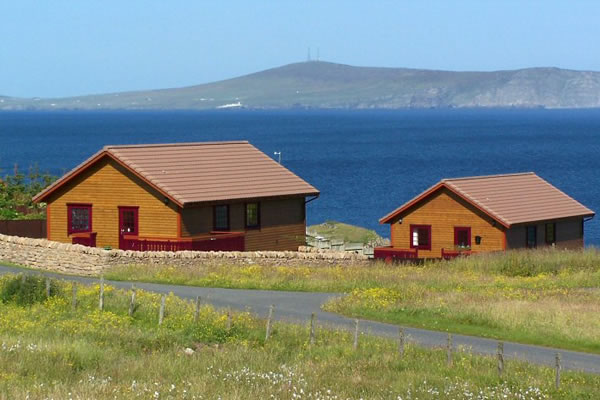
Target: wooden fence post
[312, 329]
[401, 342]
[47, 287]
[101, 303]
[132, 301]
[557, 366]
[500, 358]
[356, 334]
[268, 333]
[449, 350]
[197, 310]
[161, 311]
[74, 298]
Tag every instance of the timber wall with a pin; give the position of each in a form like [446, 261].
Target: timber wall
[81, 260]
[568, 234]
[444, 211]
[32, 228]
[107, 185]
[282, 223]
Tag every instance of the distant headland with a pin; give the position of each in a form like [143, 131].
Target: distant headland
[325, 85]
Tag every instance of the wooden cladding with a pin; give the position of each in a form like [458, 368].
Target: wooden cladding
[566, 234]
[445, 211]
[105, 186]
[32, 228]
[281, 237]
[457, 224]
[281, 223]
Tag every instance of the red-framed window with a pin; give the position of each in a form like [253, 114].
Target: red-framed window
[129, 220]
[420, 237]
[221, 217]
[79, 218]
[462, 236]
[252, 215]
[550, 233]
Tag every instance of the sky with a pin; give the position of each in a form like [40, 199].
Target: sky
[64, 47]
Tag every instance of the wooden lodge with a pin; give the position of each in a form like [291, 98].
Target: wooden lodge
[190, 196]
[485, 213]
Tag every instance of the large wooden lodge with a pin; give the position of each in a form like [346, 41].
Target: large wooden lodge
[190, 196]
[484, 213]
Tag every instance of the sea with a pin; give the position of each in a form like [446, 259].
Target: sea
[365, 163]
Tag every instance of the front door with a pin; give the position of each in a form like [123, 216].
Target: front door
[128, 226]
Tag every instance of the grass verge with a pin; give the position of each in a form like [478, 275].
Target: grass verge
[544, 297]
[50, 350]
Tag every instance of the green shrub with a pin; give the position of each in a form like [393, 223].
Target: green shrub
[26, 289]
[17, 191]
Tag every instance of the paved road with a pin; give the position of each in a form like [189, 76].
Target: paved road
[298, 306]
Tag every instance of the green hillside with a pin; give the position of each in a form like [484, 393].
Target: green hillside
[318, 84]
[347, 233]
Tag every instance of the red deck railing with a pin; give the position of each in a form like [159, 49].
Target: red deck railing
[85, 239]
[450, 254]
[215, 241]
[390, 254]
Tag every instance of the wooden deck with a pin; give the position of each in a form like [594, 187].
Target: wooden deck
[450, 254]
[215, 241]
[390, 254]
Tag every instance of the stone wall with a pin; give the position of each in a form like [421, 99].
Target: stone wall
[81, 260]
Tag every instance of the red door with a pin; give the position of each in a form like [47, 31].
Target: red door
[128, 226]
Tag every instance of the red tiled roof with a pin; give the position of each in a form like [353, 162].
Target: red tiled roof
[200, 172]
[509, 199]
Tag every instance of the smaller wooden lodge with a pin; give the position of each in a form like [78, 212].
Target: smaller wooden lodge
[186, 196]
[484, 213]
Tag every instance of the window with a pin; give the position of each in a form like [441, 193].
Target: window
[462, 237]
[420, 237]
[221, 218]
[128, 220]
[79, 218]
[551, 233]
[252, 215]
[531, 233]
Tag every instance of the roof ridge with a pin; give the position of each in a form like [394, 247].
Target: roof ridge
[487, 176]
[181, 144]
[250, 163]
[527, 196]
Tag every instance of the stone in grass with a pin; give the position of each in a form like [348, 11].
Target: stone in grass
[188, 352]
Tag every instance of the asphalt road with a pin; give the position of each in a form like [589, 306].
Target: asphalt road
[298, 306]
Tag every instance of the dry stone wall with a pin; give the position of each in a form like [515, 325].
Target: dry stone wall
[81, 260]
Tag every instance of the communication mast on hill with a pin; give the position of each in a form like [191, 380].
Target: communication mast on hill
[308, 56]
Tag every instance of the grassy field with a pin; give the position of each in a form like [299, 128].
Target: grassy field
[545, 297]
[49, 350]
[347, 233]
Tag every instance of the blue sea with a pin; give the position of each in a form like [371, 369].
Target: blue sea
[365, 163]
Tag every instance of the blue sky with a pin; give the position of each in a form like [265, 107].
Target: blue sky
[64, 48]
